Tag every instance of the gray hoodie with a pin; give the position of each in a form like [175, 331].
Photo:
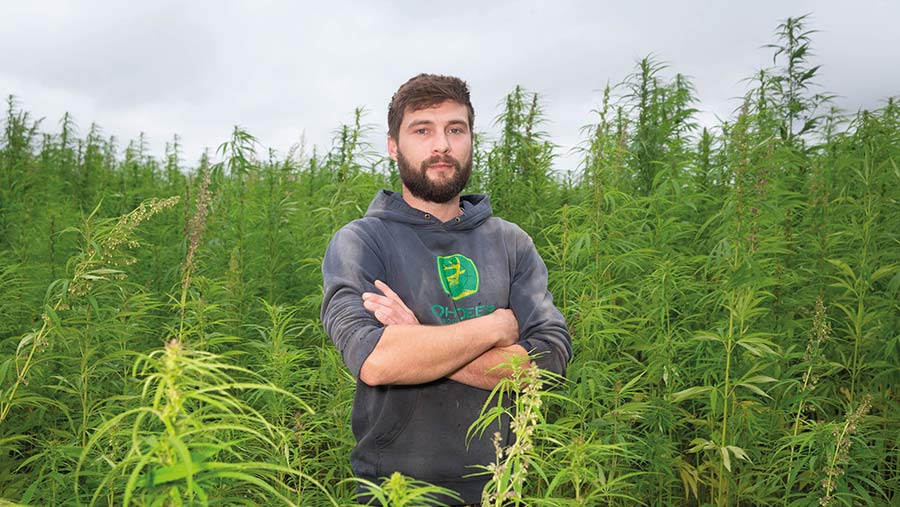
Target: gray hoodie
[444, 272]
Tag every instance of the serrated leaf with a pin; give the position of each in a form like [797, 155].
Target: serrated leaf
[689, 393]
[26, 340]
[4, 368]
[738, 453]
[701, 444]
[757, 344]
[884, 271]
[54, 317]
[843, 267]
[753, 348]
[755, 389]
[708, 337]
[106, 271]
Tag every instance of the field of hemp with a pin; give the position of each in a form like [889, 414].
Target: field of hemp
[733, 295]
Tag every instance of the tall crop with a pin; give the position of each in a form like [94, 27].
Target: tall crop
[731, 292]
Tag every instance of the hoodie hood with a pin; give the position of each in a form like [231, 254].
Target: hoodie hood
[389, 205]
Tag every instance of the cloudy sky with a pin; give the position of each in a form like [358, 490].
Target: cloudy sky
[292, 70]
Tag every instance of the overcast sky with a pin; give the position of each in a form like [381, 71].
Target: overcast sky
[284, 70]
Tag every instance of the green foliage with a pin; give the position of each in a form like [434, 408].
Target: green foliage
[400, 491]
[519, 164]
[731, 293]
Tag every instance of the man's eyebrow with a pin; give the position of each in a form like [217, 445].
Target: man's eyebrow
[416, 123]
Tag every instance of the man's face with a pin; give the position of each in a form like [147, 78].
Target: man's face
[434, 151]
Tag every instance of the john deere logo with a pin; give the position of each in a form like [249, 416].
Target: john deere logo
[458, 274]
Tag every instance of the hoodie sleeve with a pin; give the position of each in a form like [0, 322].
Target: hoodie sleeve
[350, 268]
[542, 328]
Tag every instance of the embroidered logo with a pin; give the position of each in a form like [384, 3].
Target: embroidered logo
[458, 274]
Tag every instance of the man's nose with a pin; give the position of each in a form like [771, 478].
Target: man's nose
[441, 143]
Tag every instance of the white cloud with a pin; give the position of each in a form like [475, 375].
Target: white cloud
[283, 68]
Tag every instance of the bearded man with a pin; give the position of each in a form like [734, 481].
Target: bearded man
[427, 294]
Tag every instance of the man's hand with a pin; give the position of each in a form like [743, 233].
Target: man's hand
[389, 308]
[467, 349]
[507, 326]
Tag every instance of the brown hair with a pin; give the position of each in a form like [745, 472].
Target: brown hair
[426, 90]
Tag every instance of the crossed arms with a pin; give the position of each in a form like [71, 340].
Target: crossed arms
[410, 353]
[382, 342]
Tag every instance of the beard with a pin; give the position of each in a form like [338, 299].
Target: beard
[417, 182]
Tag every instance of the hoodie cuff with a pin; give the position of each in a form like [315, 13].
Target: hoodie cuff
[542, 354]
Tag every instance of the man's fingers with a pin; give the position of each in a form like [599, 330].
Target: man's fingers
[375, 306]
[378, 299]
[387, 311]
[383, 318]
[396, 298]
[384, 314]
[391, 307]
[387, 291]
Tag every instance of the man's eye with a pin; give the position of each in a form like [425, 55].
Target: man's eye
[457, 130]
[421, 131]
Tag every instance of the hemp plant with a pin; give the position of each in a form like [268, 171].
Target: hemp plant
[525, 391]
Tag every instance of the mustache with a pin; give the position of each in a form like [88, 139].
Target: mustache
[440, 159]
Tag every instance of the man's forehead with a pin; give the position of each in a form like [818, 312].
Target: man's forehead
[454, 111]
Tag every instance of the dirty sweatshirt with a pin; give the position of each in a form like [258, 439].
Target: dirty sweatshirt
[445, 272]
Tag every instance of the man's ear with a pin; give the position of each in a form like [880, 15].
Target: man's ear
[392, 147]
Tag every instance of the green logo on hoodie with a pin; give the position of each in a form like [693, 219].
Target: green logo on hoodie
[458, 274]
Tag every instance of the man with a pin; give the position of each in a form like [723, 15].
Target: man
[426, 294]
